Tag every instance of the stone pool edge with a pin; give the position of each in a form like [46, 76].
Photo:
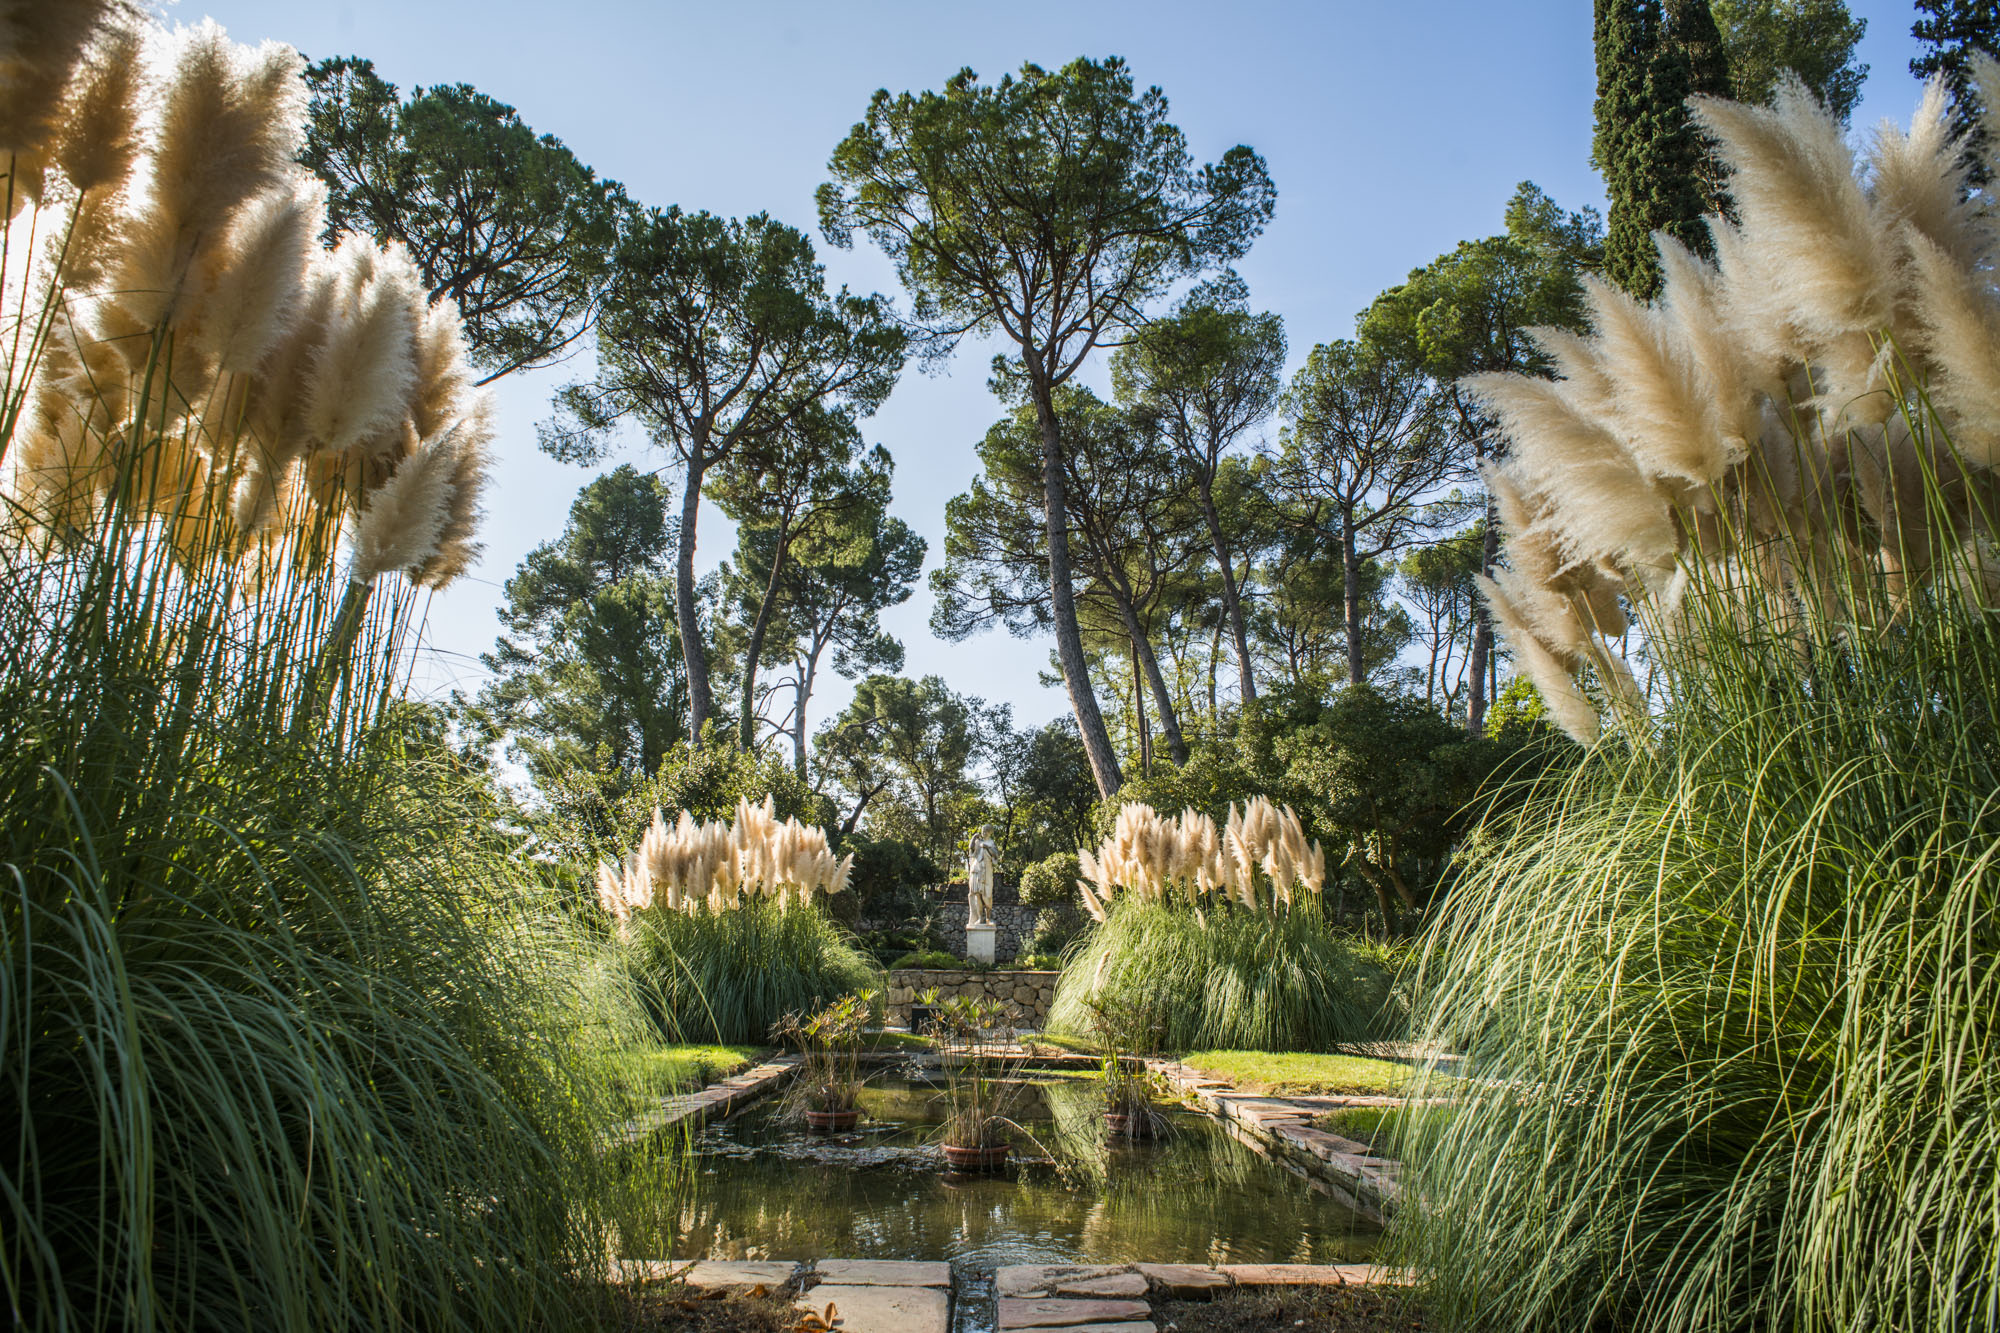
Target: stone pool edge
[1281, 1128]
[724, 1097]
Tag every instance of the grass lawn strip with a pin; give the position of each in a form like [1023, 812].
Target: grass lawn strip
[1306, 1074]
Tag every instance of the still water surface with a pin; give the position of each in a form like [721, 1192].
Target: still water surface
[766, 1188]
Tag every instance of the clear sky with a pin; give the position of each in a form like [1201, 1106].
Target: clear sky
[1393, 128]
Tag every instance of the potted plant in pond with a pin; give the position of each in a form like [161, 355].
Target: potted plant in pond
[981, 1064]
[828, 1088]
[924, 1010]
[1125, 1032]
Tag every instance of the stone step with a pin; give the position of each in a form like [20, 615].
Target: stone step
[883, 1273]
[881, 1309]
[1018, 1313]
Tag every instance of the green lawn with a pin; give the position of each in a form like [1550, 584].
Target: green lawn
[656, 1071]
[1285, 1073]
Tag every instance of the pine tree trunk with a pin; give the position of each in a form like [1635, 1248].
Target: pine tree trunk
[1350, 569]
[1482, 632]
[1232, 599]
[746, 730]
[1145, 662]
[701, 700]
[1062, 605]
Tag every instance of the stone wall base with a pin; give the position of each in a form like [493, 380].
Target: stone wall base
[1028, 994]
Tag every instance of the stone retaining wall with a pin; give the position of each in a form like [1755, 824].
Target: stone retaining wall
[1028, 993]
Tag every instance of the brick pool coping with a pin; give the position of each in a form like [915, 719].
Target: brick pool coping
[895, 1296]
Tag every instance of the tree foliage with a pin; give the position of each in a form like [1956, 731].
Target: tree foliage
[505, 222]
[1950, 31]
[586, 674]
[719, 338]
[1049, 208]
[1814, 39]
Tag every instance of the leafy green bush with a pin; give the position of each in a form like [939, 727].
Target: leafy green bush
[1051, 880]
[729, 976]
[1271, 981]
[892, 881]
[1038, 962]
[1058, 926]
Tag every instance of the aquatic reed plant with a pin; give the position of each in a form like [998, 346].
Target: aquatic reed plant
[1216, 938]
[291, 1039]
[1725, 993]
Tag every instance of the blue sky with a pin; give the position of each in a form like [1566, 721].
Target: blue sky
[1393, 128]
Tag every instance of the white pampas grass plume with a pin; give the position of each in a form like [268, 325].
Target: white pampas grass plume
[1666, 407]
[1961, 336]
[1566, 701]
[1917, 179]
[405, 516]
[41, 44]
[97, 141]
[258, 274]
[1802, 212]
[361, 380]
[442, 373]
[471, 465]
[1611, 509]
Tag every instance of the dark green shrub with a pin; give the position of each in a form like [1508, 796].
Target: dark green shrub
[893, 881]
[1051, 880]
[934, 959]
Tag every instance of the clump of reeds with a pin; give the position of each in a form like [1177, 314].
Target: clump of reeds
[1185, 858]
[1809, 424]
[1726, 992]
[714, 867]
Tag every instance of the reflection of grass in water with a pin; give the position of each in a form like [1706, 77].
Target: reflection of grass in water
[1197, 1195]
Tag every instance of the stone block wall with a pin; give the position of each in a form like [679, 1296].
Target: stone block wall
[1016, 923]
[1029, 994]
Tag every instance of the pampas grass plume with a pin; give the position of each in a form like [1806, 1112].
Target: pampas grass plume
[405, 516]
[361, 380]
[257, 281]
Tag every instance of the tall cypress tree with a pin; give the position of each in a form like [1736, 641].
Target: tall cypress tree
[1651, 56]
[1950, 33]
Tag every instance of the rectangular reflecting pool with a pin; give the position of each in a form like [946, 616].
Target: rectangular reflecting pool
[762, 1186]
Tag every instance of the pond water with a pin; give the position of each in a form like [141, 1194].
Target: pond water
[764, 1187]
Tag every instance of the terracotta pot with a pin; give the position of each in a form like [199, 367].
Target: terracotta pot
[832, 1122]
[993, 1157]
[1130, 1124]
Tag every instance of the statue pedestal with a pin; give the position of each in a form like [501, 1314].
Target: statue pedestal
[979, 943]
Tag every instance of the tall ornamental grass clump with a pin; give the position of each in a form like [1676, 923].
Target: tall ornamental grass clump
[722, 927]
[1727, 993]
[1216, 939]
[285, 1040]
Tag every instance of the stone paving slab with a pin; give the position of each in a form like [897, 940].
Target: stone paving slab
[738, 1274]
[881, 1309]
[716, 1099]
[1129, 1286]
[1016, 1313]
[1184, 1279]
[883, 1273]
[1032, 1280]
[1280, 1127]
[1298, 1275]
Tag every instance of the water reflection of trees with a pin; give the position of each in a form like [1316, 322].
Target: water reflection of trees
[1195, 1195]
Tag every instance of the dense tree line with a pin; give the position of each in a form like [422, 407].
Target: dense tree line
[1254, 579]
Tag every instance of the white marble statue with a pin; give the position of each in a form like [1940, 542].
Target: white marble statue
[983, 856]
